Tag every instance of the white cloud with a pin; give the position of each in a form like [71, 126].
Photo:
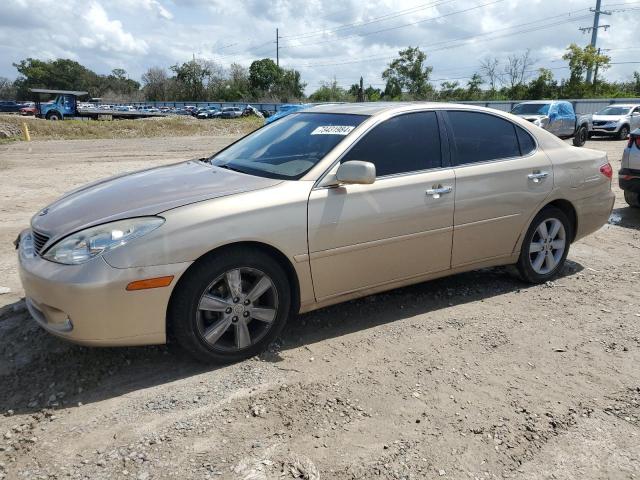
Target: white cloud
[323, 39]
[108, 35]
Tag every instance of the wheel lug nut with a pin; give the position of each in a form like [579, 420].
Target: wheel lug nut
[236, 300]
[247, 302]
[228, 310]
[234, 319]
[246, 314]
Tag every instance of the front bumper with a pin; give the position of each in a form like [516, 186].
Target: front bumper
[629, 180]
[88, 303]
[608, 129]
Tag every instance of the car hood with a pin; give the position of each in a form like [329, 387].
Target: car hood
[608, 118]
[147, 192]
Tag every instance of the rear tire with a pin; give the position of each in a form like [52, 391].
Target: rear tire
[581, 136]
[545, 246]
[632, 198]
[623, 133]
[231, 306]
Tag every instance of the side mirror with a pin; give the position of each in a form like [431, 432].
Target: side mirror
[356, 172]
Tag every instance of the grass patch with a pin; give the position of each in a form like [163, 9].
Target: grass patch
[177, 126]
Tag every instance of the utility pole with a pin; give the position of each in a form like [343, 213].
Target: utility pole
[595, 73]
[277, 48]
[594, 29]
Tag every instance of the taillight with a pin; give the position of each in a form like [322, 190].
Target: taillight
[634, 139]
[637, 139]
[607, 170]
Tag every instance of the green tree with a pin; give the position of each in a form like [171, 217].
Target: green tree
[580, 60]
[60, 74]
[473, 86]
[330, 92]
[543, 86]
[372, 94]
[190, 79]
[263, 75]
[410, 73]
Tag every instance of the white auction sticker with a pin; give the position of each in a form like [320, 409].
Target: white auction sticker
[333, 130]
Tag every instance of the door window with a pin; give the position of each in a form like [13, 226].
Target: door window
[405, 143]
[480, 137]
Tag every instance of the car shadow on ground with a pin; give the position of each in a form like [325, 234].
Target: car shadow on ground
[627, 217]
[39, 371]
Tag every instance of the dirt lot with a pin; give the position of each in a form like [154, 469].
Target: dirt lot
[475, 376]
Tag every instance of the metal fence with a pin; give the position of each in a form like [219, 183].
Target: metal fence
[580, 105]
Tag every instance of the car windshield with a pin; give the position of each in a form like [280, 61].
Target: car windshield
[531, 109]
[614, 111]
[290, 147]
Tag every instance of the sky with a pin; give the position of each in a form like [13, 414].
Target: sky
[323, 40]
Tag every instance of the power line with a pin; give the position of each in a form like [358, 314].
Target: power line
[366, 34]
[379, 19]
[455, 43]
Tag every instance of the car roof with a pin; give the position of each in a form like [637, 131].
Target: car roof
[374, 108]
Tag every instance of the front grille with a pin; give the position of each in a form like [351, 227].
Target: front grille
[597, 123]
[39, 240]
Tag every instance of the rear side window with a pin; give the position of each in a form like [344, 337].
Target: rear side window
[480, 137]
[405, 143]
[565, 109]
[527, 144]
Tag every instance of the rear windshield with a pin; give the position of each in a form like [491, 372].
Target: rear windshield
[531, 109]
[614, 111]
[290, 147]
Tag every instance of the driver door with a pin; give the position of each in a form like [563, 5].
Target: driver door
[365, 236]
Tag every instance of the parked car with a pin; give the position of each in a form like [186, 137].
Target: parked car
[629, 175]
[557, 117]
[11, 106]
[209, 112]
[231, 112]
[222, 250]
[617, 120]
[29, 111]
[126, 108]
[287, 109]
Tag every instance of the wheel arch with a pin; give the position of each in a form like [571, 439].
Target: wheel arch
[273, 252]
[568, 209]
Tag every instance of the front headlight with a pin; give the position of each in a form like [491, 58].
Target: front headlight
[83, 246]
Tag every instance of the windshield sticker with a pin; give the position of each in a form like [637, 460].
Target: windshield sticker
[333, 130]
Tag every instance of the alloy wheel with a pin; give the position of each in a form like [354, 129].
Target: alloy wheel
[547, 246]
[237, 309]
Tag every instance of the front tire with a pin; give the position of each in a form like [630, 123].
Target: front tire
[54, 116]
[623, 133]
[581, 136]
[632, 198]
[545, 246]
[230, 306]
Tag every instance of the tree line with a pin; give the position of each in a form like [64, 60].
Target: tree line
[407, 77]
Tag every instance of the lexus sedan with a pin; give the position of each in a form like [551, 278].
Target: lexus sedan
[325, 205]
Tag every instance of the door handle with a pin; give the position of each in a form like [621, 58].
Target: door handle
[537, 176]
[439, 190]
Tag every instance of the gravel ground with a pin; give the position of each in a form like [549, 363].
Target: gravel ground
[475, 376]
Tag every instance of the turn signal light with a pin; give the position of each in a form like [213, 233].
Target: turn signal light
[606, 170]
[150, 283]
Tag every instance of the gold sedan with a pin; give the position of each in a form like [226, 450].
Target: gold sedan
[321, 206]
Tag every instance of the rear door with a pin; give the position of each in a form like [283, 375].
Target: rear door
[501, 180]
[400, 227]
